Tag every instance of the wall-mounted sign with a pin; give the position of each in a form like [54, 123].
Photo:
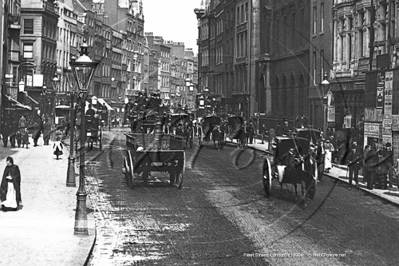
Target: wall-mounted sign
[331, 114]
[395, 123]
[372, 129]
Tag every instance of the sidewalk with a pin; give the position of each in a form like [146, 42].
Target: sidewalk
[42, 233]
[339, 172]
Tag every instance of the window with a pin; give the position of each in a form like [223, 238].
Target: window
[314, 30]
[28, 50]
[314, 67]
[322, 17]
[322, 60]
[28, 26]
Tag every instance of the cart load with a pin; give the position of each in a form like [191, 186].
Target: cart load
[154, 155]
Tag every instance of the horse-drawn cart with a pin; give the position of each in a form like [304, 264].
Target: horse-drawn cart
[94, 132]
[291, 162]
[237, 130]
[154, 153]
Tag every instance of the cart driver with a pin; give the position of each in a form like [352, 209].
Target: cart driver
[96, 122]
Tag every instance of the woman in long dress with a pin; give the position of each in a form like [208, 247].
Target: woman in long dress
[329, 149]
[10, 188]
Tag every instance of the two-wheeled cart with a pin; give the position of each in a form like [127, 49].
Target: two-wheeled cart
[159, 154]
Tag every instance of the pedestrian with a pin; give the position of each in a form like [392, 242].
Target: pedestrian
[371, 161]
[46, 131]
[5, 132]
[22, 122]
[10, 188]
[58, 147]
[251, 132]
[328, 150]
[354, 164]
[37, 129]
[263, 132]
[365, 172]
[25, 137]
[387, 157]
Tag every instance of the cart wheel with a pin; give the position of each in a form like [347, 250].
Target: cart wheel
[101, 139]
[267, 177]
[127, 172]
[311, 189]
[178, 180]
[172, 176]
[144, 176]
[130, 170]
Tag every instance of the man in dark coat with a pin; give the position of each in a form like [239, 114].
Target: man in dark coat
[46, 131]
[37, 129]
[354, 163]
[371, 161]
[387, 159]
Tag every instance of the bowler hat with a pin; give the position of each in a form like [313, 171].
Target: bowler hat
[388, 144]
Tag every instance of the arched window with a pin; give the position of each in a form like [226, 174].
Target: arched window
[275, 97]
[292, 96]
[284, 98]
[302, 96]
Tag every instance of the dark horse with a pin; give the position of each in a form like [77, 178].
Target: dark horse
[218, 138]
[303, 171]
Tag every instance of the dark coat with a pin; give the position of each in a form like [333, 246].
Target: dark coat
[46, 130]
[371, 160]
[354, 160]
[13, 171]
[37, 129]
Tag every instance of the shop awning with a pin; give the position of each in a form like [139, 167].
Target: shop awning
[87, 107]
[15, 102]
[30, 98]
[102, 101]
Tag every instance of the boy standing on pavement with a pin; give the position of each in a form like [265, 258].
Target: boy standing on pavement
[353, 159]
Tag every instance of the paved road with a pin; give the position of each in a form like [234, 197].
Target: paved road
[221, 217]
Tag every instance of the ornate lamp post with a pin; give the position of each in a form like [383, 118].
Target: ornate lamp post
[71, 178]
[83, 69]
[21, 92]
[56, 83]
[325, 84]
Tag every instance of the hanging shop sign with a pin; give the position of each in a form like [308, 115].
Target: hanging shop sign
[388, 94]
[380, 90]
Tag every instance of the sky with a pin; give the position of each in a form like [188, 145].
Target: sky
[174, 20]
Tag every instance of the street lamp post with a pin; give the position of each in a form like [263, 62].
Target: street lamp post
[83, 69]
[325, 84]
[71, 178]
[56, 83]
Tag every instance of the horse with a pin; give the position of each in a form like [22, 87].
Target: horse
[239, 134]
[303, 171]
[217, 137]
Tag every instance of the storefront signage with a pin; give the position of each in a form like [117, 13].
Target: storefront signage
[380, 90]
[395, 123]
[348, 121]
[372, 114]
[387, 123]
[388, 94]
[363, 64]
[331, 114]
[372, 129]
